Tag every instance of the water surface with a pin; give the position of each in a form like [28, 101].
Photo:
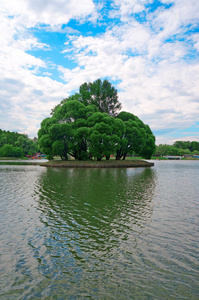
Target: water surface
[100, 233]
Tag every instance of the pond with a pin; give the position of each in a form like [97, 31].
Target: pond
[128, 233]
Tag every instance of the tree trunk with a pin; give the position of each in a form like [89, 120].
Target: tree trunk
[124, 156]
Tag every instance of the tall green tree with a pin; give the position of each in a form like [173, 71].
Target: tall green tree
[102, 94]
[68, 126]
[86, 125]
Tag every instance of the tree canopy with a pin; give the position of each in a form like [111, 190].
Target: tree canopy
[100, 93]
[86, 126]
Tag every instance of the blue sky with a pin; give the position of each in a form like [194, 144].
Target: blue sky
[149, 50]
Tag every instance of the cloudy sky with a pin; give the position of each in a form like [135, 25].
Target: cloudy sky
[148, 49]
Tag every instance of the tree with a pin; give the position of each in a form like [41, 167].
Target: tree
[68, 126]
[195, 152]
[81, 131]
[186, 152]
[138, 137]
[101, 94]
[194, 146]
[18, 141]
[11, 151]
[73, 97]
[86, 125]
[162, 150]
[104, 135]
[3, 140]
[28, 146]
[172, 150]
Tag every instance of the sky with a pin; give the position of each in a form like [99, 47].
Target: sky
[148, 49]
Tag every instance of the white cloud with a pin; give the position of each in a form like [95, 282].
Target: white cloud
[173, 20]
[157, 83]
[25, 99]
[195, 38]
[51, 12]
[128, 7]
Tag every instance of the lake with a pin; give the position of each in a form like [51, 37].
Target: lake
[100, 233]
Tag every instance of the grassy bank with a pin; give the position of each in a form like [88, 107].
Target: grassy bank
[98, 164]
[13, 158]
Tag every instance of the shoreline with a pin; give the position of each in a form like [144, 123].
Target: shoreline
[97, 164]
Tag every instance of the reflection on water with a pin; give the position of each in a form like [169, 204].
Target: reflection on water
[95, 218]
[96, 233]
[105, 202]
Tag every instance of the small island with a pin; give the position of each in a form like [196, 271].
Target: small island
[88, 128]
[97, 164]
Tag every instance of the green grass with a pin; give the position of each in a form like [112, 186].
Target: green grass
[12, 158]
[98, 164]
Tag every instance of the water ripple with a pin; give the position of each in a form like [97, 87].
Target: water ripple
[99, 234]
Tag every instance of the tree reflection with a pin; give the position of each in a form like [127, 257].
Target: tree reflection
[95, 210]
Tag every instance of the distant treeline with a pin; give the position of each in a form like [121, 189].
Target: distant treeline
[14, 144]
[178, 148]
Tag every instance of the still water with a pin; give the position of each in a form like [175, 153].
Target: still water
[100, 233]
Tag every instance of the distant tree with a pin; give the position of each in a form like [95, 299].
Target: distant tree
[17, 140]
[195, 152]
[173, 151]
[17, 152]
[11, 151]
[194, 146]
[28, 146]
[3, 140]
[186, 151]
[162, 150]
[7, 151]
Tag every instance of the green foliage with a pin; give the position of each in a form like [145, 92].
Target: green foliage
[11, 151]
[84, 132]
[178, 148]
[162, 150]
[68, 126]
[105, 135]
[187, 145]
[99, 93]
[195, 152]
[138, 137]
[14, 144]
